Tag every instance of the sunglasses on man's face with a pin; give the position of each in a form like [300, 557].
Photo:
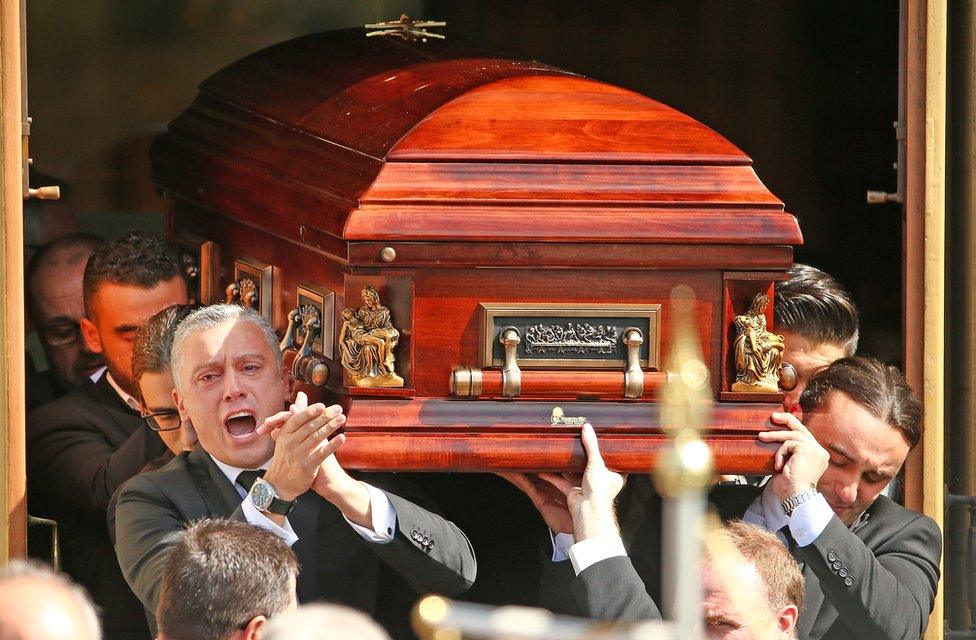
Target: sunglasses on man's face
[165, 420]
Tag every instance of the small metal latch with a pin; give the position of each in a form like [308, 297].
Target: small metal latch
[45, 193]
[633, 338]
[511, 374]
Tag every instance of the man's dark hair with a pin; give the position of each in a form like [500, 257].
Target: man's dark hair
[138, 259]
[220, 576]
[152, 349]
[814, 305]
[879, 388]
[66, 250]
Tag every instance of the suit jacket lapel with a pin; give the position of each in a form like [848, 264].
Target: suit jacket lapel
[222, 499]
[218, 493]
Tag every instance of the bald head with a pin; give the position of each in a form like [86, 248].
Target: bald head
[64, 258]
[38, 604]
[324, 622]
[56, 306]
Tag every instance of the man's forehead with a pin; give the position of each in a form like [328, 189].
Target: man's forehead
[849, 429]
[229, 339]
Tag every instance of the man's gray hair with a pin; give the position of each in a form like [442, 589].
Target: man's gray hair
[23, 570]
[324, 622]
[215, 315]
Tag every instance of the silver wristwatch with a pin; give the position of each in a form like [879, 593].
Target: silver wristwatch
[264, 496]
[795, 500]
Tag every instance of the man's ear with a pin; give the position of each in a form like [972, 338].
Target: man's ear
[180, 406]
[254, 628]
[289, 384]
[90, 334]
[786, 619]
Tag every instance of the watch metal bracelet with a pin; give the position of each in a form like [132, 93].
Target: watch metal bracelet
[795, 500]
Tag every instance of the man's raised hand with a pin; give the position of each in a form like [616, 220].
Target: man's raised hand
[548, 501]
[800, 460]
[302, 444]
[590, 496]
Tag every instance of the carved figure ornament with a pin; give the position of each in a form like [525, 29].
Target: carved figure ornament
[366, 342]
[758, 352]
[243, 292]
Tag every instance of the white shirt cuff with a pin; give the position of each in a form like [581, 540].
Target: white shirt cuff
[810, 519]
[588, 552]
[384, 518]
[561, 542]
[258, 519]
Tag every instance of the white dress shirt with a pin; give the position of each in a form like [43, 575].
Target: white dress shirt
[383, 513]
[126, 398]
[806, 524]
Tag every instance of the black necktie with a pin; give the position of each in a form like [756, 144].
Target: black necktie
[246, 478]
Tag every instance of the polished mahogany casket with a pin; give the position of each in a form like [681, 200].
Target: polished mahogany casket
[474, 254]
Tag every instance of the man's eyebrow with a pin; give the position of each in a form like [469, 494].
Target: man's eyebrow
[249, 356]
[721, 618]
[206, 365]
[125, 328]
[839, 451]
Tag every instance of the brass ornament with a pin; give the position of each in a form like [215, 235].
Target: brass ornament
[758, 352]
[406, 28]
[243, 292]
[559, 417]
[366, 342]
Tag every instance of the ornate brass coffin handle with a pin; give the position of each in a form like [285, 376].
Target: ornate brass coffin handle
[306, 366]
[633, 338]
[511, 374]
[243, 292]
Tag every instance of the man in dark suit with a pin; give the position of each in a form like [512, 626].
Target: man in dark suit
[276, 469]
[871, 566]
[84, 445]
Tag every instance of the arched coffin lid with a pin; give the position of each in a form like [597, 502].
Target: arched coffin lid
[344, 138]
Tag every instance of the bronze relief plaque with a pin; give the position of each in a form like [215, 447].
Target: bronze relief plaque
[569, 336]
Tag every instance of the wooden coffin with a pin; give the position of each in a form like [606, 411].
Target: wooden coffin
[476, 192]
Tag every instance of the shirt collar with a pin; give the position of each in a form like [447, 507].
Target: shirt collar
[232, 472]
[126, 397]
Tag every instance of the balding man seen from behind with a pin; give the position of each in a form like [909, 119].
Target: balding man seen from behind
[39, 604]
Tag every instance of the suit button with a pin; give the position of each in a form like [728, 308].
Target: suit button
[843, 572]
[831, 556]
[836, 565]
[848, 582]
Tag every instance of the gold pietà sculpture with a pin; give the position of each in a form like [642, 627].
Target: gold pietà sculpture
[758, 352]
[366, 343]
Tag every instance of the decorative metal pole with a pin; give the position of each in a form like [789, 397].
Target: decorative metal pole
[685, 469]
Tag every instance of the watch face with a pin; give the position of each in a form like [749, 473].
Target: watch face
[261, 495]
